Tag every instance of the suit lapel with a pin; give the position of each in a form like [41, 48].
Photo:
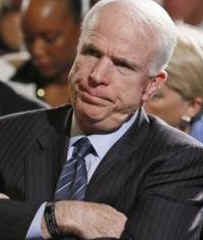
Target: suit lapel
[44, 165]
[118, 156]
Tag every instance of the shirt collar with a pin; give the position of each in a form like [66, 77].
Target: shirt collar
[101, 142]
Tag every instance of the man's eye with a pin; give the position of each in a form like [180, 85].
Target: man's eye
[91, 52]
[122, 65]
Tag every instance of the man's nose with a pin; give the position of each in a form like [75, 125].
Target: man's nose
[101, 72]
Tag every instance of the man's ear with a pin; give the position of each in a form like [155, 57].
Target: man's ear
[153, 85]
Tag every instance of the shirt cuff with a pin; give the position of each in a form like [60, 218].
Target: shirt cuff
[34, 230]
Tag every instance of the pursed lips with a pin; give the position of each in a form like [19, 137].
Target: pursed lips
[93, 96]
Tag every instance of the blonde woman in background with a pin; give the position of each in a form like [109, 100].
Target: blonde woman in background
[179, 102]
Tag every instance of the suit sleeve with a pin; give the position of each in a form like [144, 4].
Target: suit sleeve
[169, 205]
[16, 214]
[16, 218]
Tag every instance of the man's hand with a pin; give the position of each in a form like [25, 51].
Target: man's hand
[87, 220]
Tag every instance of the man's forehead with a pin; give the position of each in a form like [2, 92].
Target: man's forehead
[134, 51]
[112, 9]
[117, 26]
[111, 19]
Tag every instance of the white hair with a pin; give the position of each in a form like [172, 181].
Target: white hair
[153, 20]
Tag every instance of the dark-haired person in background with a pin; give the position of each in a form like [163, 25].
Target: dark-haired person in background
[51, 29]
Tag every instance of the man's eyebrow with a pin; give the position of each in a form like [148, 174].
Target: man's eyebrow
[130, 64]
[120, 60]
[92, 47]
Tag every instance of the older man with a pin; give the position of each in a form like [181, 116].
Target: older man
[104, 169]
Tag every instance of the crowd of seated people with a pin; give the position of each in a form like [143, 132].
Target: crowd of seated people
[60, 37]
[51, 41]
[11, 55]
[41, 72]
[11, 40]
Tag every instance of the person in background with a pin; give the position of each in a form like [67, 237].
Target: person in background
[180, 101]
[103, 168]
[190, 12]
[11, 38]
[11, 42]
[12, 53]
[51, 29]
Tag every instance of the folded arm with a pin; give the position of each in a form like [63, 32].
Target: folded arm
[87, 220]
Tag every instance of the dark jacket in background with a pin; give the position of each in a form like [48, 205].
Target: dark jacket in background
[28, 73]
[12, 102]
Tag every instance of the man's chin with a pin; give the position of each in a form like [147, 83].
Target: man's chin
[92, 115]
[96, 123]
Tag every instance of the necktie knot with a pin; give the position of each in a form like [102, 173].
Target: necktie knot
[83, 147]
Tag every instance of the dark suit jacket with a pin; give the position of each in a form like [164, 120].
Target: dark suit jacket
[153, 174]
[11, 102]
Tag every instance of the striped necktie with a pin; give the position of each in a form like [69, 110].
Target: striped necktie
[72, 182]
